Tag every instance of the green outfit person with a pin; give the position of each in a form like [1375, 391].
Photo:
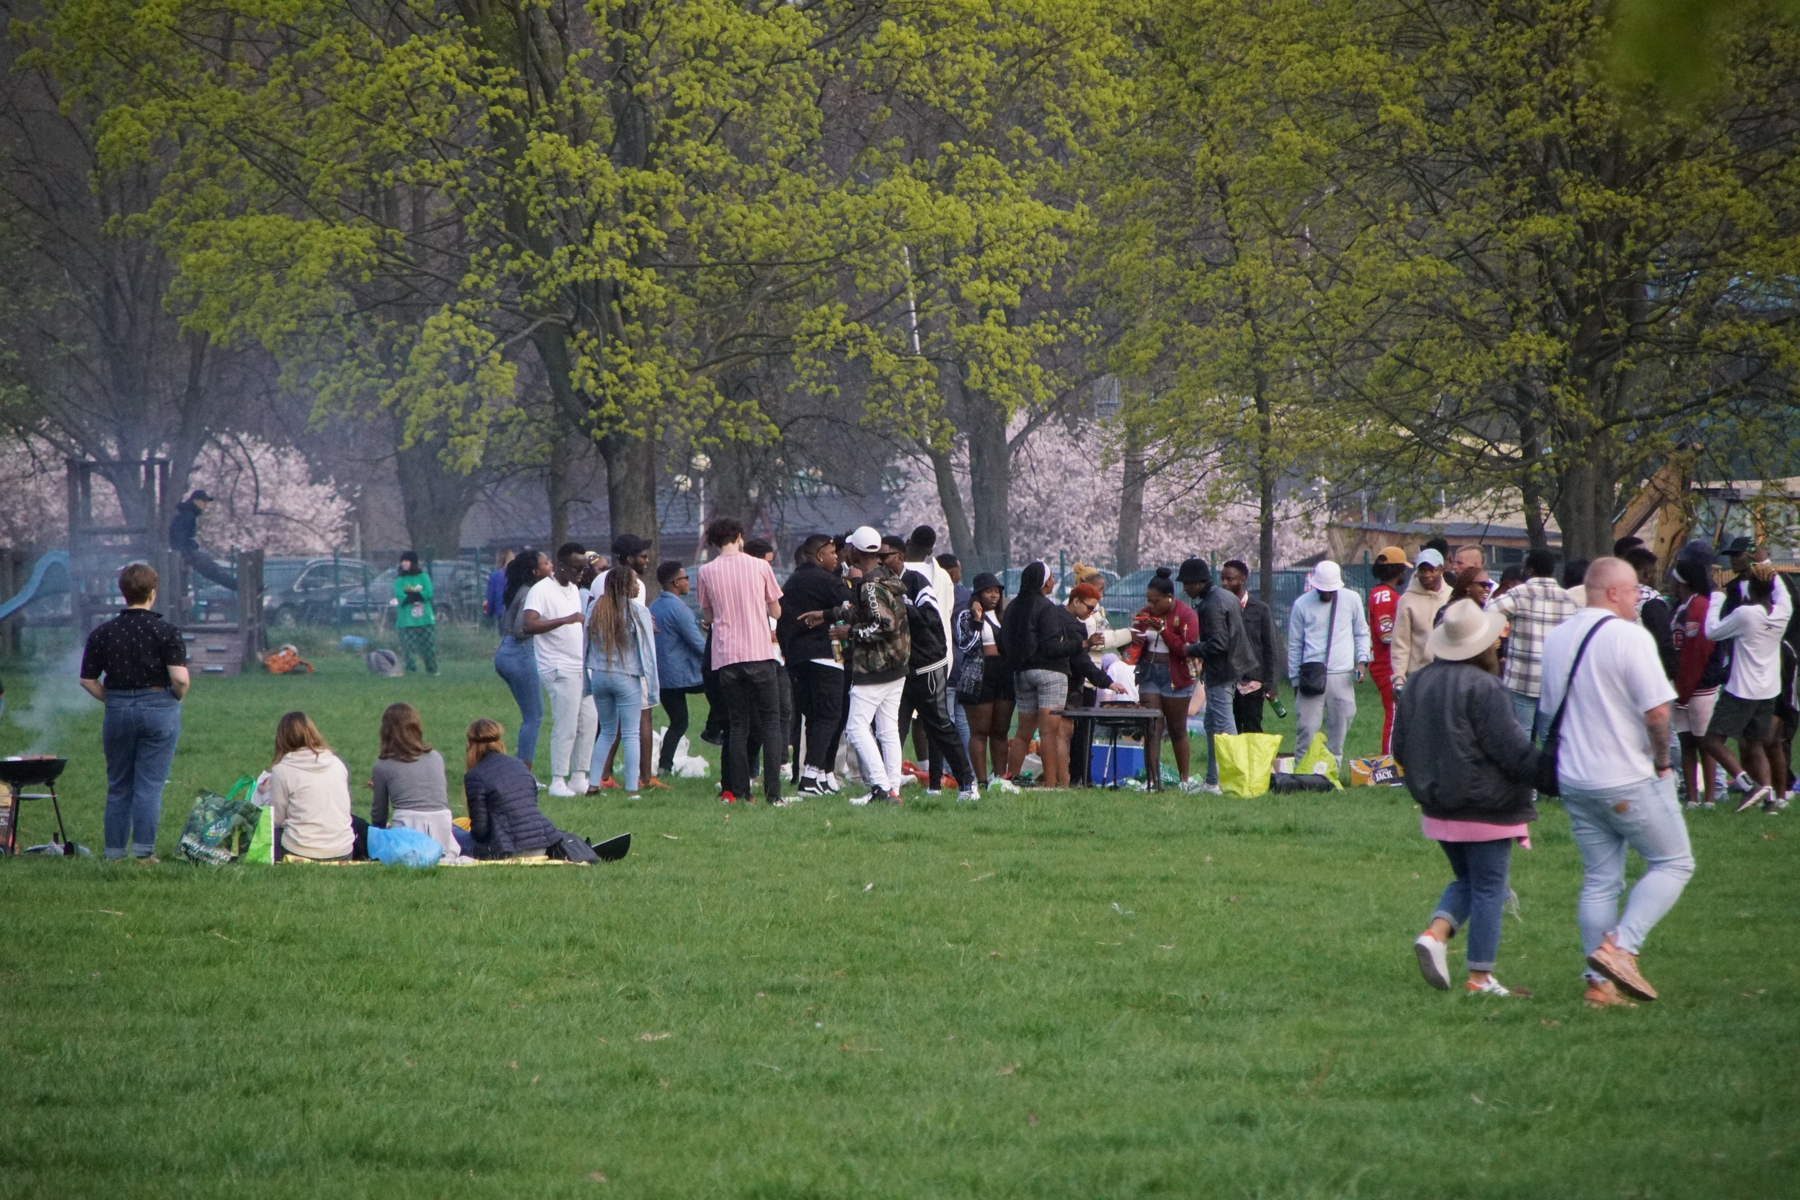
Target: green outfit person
[417, 621]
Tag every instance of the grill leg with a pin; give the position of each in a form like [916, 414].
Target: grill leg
[61, 836]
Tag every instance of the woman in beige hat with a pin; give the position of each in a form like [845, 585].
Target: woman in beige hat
[1470, 767]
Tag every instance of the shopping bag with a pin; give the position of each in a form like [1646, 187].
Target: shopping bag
[1378, 771]
[1245, 760]
[402, 847]
[1319, 761]
[219, 827]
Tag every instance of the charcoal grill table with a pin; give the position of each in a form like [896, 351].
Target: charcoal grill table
[1149, 721]
[21, 773]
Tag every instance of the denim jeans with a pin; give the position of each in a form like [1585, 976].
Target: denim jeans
[1605, 822]
[516, 662]
[1477, 896]
[1220, 718]
[618, 699]
[1533, 722]
[138, 735]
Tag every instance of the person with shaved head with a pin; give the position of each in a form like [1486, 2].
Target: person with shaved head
[1603, 683]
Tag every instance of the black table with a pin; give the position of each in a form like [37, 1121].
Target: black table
[1148, 721]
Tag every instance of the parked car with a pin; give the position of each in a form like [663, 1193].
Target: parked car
[458, 589]
[295, 591]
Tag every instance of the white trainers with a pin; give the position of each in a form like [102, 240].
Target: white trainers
[578, 783]
[560, 786]
[1755, 797]
[1491, 987]
[969, 794]
[1433, 958]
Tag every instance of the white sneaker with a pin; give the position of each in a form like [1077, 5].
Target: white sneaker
[1491, 987]
[969, 794]
[830, 780]
[578, 783]
[560, 786]
[1755, 797]
[1433, 958]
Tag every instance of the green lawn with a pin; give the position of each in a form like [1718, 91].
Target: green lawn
[1073, 995]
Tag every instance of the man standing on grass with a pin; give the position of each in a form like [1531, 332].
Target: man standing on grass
[880, 647]
[136, 665]
[1616, 780]
[739, 600]
[1259, 627]
[1328, 626]
[1226, 655]
[553, 618]
[1534, 608]
[929, 593]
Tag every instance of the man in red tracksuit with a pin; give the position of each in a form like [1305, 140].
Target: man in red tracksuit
[1384, 599]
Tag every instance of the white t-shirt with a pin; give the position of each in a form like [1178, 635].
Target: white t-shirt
[1604, 742]
[1124, 683]
[597, 589]
[561, 649]
[1755, 636]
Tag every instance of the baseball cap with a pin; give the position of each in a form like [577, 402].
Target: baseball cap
[1392, 554]
[200, 494]
[865, 539]
[1430, 558]
[1739, 545]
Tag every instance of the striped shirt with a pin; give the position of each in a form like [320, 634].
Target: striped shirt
[1535, 607]
[735, 591]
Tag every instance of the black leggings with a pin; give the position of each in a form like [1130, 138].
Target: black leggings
[674, 702]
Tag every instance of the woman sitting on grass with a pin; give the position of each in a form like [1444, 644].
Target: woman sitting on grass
[309, 790]
[408, 779]
[1470, 767]
[504, 818]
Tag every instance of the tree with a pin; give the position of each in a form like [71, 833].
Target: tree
[1572, 277]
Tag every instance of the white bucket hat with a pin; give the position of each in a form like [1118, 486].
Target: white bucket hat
[1466, 631]
[1327, 577]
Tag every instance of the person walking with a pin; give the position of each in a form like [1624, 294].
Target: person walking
[679, 645]
[1746, 705]
[815, 659]
[1259, 627]
[1609, 701]
[1470, 767]
[1226, 655]
[1389, 569]
[1415, 615]
[136, 665]
[880, 643]
[621, 667]
[552, 617]
[1329, 629]
[414, 618]
[1532, 609]
[1165, 627]
[739, 601]
[987, 696]
[929, 590]
[515, 660]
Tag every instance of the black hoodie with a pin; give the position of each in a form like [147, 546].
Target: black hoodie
[811, 588]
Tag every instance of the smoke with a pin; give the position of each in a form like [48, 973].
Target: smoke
[56, 699]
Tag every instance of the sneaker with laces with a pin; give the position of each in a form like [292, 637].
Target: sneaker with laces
[1756, 797]
[1491, 987]
[1691, 805]
[578, 782]
[812, 785]
[1775, 803]
[1621, 967]
[634, 796]
[969, 794]
[830, 780]
[711, 738]
[1433, 965]
[560, 787]
[877, 796]
[727, 797]
[859, 801]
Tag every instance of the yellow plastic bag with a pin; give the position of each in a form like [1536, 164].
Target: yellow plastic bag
[1318, 756]
[1245, 760]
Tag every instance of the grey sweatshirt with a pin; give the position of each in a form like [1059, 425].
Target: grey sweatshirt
[416, 785]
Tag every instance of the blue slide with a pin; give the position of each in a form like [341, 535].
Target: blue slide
[56, 558]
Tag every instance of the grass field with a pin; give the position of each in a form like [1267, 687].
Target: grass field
[1067, 995]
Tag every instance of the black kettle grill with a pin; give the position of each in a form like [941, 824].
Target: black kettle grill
[21, 773]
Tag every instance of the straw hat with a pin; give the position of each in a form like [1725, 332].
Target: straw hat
[1466, 631]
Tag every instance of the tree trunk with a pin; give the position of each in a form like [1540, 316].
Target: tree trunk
[434, 497]
[956, 516]
[1131, 502]
[1584, 504]
[1265, 533]
[1531, 446]
[631, 487]
[990, 482]
[559, 486]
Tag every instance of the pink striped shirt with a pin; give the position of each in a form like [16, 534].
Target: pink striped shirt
[737, 590]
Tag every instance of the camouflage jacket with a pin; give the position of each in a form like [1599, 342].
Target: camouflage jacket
[880, 644]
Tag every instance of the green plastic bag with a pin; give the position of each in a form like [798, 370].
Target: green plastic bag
[1245, 760]
[262, 840]
[1317, 756]
[219, 827]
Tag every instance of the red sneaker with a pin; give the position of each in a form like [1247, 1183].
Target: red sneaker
[727, 798]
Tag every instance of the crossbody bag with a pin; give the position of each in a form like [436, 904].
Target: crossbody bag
[1312, 674]
[1547, 783]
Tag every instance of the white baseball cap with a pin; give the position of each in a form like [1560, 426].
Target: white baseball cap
[1327, 577]
[1430, 558]
[865, 539]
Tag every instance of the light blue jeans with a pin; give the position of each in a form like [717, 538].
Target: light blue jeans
[1220, 718]
[1606, 822]
[618, 699]
[1534, 723]
[516, 662]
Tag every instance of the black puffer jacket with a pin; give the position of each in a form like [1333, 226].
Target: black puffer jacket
[503, 813]
[1465, 757]
[811, 588]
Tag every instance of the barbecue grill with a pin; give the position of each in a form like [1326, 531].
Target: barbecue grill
[21, 773]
